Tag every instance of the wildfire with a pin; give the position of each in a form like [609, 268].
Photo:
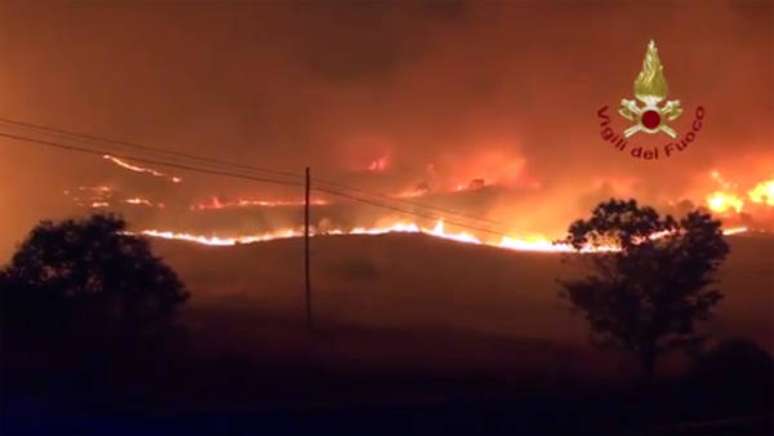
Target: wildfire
[138, 201]
[96, 189]
[218, 241]
[439, 231]
[217, 203]
[763, 193]
[95, 197]
[535, 243]
[400, 227]
[139, 169]
[545, 245]
[722, 202]
[735, 230]
[727, 199]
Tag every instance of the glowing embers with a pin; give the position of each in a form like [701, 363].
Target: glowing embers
[95, 197]
[102, 197]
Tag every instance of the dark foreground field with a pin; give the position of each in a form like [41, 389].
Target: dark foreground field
[413, 335]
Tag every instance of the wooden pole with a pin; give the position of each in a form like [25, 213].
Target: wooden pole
[308, 292]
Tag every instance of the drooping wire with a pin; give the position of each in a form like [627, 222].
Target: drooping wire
[241, 166]
[144, 160]
[98, 152]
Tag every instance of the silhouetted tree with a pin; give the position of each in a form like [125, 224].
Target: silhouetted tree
[646, 296]
[89, 279]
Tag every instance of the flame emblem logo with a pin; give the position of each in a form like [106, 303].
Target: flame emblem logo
[650, 88]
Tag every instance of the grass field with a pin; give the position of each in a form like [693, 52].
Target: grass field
[412, 335]
[404, 300]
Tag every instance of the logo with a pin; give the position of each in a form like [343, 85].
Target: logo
[650, 113]
[650, 88]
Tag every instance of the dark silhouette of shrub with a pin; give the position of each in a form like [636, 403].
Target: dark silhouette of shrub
[86, 279]
[734, 380]
[738, 369]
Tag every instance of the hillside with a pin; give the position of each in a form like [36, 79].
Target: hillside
[412, 299]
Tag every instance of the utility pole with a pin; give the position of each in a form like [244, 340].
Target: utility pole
[306, 256]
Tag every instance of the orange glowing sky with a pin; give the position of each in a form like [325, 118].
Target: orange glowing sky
[431, 95]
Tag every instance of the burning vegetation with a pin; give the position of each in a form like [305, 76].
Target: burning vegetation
[737, 203]
[731, 202]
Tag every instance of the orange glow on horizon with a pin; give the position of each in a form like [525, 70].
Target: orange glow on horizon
[534, 243]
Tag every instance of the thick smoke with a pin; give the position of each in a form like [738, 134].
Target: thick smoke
[449, 95]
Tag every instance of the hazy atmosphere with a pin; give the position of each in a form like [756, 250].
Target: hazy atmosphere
[387, 217]
[429, 95]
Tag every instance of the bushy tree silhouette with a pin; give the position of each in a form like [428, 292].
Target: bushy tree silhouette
[647, 296]
[86, 278]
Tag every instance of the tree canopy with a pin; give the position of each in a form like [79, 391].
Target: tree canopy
[87, 275]
[647, 295]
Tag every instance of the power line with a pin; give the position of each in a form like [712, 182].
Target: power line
[421, 215]
[144, 160]
[413, 203]
[91, 151]
[241, 166]
[93, 138]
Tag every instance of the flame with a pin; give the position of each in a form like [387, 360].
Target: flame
[735, 230]
[216, 203]
[97, 192]
[727, 199]
[536, 243]
[650, 84]
[100, 196]
[101, 189]
[399, 227]
[138, 169]
[95, 197]
[138, 201]
[722, 202]
[219, 241]
[533, 243]
[763, 193]
[440, 231]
